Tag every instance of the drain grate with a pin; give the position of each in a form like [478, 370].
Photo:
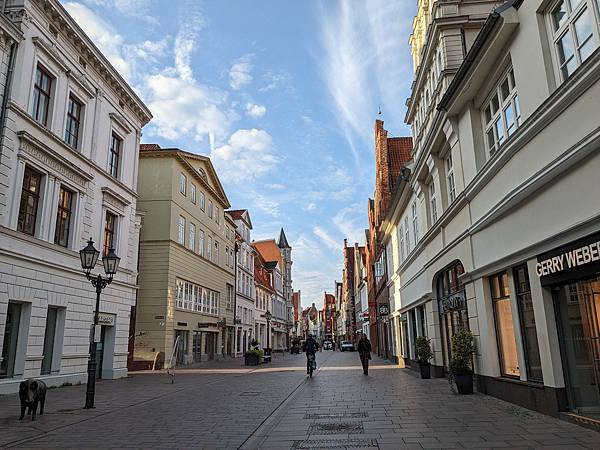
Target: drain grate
[337, 428]
[248, 394]
[342, 415]
[313, 444]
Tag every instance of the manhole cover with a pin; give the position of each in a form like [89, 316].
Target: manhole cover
[312, 444]
[342, 415]
[337, 428]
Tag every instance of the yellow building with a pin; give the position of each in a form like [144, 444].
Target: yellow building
[186, 280]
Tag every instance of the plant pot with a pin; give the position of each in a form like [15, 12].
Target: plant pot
[425, 370]
[251, 359]
[464, 382]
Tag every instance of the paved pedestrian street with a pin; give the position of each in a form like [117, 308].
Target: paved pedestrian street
[226, 405]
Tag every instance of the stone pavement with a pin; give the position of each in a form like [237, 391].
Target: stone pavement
[224, 405]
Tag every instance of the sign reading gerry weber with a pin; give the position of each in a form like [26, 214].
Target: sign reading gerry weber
[579, 258]
[384, 310]
[452, 302]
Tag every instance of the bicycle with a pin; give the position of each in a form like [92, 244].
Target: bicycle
[312, 364]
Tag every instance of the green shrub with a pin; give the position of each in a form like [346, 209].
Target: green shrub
[462, 351]
[423, 348]
[257, 352]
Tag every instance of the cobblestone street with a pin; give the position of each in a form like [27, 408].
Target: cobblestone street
[226, 405]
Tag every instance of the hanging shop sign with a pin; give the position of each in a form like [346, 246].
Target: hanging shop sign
[106, 319]
[579, 258]
[384, 310]
[453, 302]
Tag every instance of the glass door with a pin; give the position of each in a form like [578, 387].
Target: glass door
[197, 346]
[578, 306]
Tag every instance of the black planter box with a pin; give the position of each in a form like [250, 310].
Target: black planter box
[425, 371]
[464, 382]
[251, 359]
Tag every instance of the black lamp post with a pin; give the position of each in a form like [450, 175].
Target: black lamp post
[268, 316]
[89, 257]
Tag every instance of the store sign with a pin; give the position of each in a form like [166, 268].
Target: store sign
[106, 319]
[365, 316]
[453, 302]
[582, 255]
[384, 310]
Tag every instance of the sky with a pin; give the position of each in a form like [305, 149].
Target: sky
[282, 95]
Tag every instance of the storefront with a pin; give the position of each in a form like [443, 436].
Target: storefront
[452, 306]
[572, 273]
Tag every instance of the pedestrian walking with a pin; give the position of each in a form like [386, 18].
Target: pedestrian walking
[364, 351]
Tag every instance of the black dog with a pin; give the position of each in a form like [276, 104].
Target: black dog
[30, 393]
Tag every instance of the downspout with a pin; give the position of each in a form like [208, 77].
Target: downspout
[7, 88]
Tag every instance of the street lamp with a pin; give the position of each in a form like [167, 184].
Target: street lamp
[268, 316]
[110, 261]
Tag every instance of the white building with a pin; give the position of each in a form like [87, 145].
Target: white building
[71, 128]
[497, 228]
[245, 293]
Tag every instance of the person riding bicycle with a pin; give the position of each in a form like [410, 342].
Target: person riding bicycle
[310, 347]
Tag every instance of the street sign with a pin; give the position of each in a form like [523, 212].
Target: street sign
[384, 310]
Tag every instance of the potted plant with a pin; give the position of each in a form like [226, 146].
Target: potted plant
[424, 355]
[460, 364]
[254, 356]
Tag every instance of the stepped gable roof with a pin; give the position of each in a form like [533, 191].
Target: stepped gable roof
[283, 243]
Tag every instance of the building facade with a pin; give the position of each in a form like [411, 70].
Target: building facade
[286, 253]
[187, 261]
[71, 128]
[245, 289]
[505, 138]
[265, 296]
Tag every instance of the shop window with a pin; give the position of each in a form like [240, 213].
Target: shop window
[528, 328]
[11, 340]
[452, 306]
[505, 331]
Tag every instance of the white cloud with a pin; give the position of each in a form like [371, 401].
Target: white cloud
[103, 34]
[326, 238]
[255, 111]
[247, 155]
[309, 207]
[239, 74]
[273, 80]
[265, 204]
[363, 64]
[350, 222]
[131, 8]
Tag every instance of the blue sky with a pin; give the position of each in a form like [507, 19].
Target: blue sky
[281, 94]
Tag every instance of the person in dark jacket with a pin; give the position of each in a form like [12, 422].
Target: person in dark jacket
[310, 347]
[364, 351]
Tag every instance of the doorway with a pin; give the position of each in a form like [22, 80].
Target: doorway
[197, 346]
[182, 348]
[578, 316]
[9, 344]
[210, 346]
[100, 352]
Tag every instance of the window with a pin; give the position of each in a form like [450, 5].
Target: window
[450, 179]
[202, 201]
[217, 219]
[201, 242]
[193, 297]
[193, 193]
[110, 227]
[216, 255]
[73, 122]
[210, 209]
[181, 231]
[115, 155]
[209, 249]
[575, 29]
[182, 183]
[30, 197]
[407, 235]
[505, 331]
[415, 221]
[41, 96]
[528, 329]
[12, 337]
[49, 340]
[197, 298]
[192, 237]
[401, 242]
[502, 113]
[63, 217]
[432, 203]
